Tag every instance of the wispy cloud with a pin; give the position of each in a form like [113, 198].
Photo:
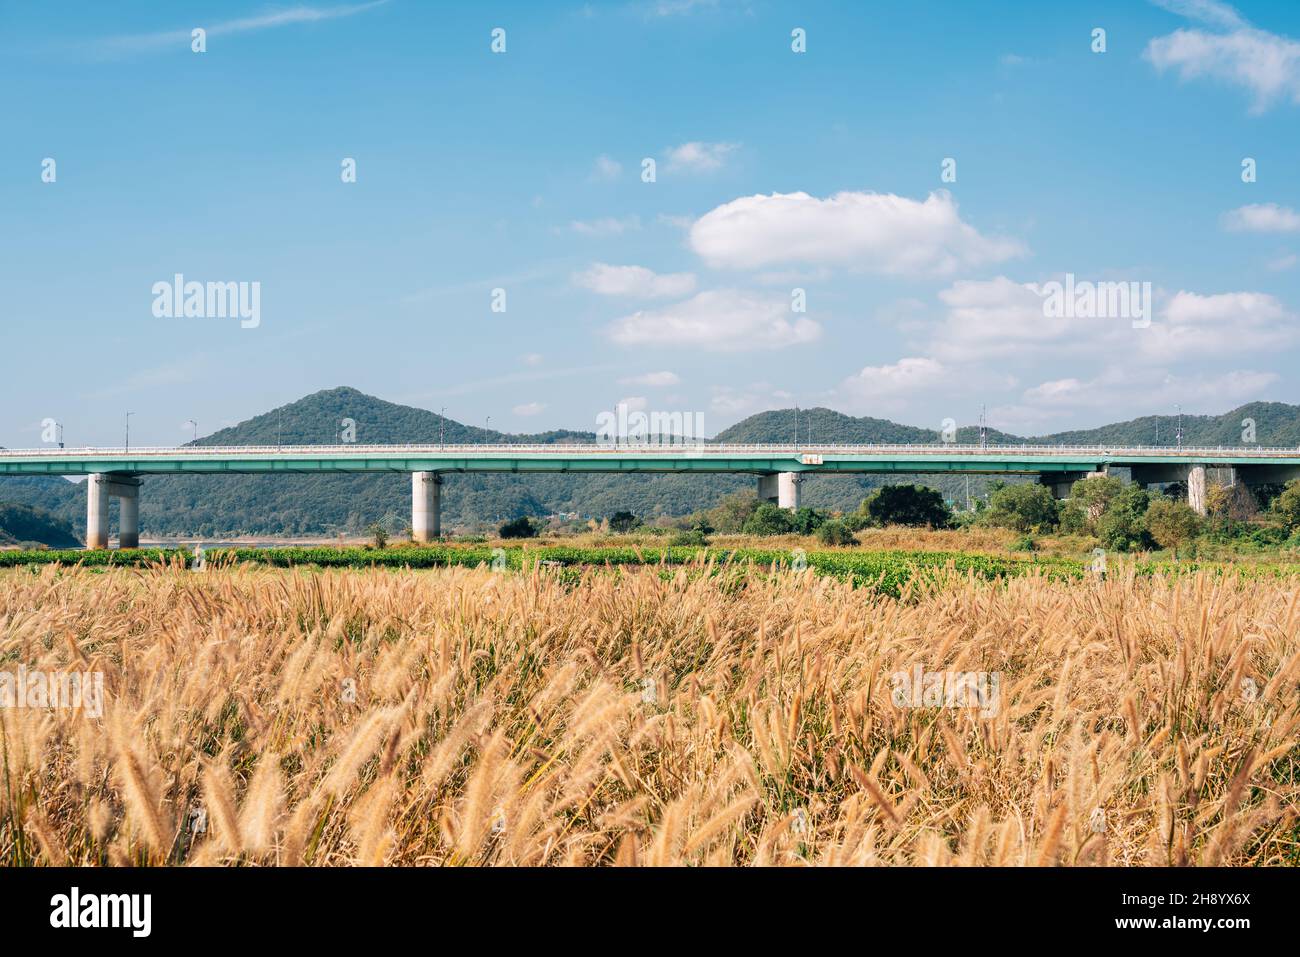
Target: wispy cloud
[1266, 64]
[136, 43]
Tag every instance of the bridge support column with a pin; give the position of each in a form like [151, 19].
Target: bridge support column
[101, 488]
[128, 517]
[1196, 488]
[782, 489]
[787, 486]
[426, 506]
[97, 511]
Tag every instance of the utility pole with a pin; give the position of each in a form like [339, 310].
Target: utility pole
[127, 446]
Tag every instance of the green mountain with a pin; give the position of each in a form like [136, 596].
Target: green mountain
[218, 506]
[23, 525]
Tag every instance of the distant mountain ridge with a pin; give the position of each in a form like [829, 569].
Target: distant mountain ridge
[215, 506]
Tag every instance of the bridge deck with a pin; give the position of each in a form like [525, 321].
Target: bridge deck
[710, 457]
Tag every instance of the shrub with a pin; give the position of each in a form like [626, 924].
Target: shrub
[835, 532]
[521, 527]
[690, 538]
[380, 534]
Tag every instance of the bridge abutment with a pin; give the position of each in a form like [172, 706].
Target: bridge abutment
[426, 506]
[101, 488]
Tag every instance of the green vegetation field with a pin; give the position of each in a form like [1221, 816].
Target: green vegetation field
[886, 571]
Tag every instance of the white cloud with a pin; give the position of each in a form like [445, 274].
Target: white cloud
[608, 226]
[634, 403]
[719, 320]
[1265, 64]
[1000, 318]
[1194, 325]
[1262, 218]
[697, 157]
[655, 380]
[532, 359]
[634, 281]
[180, 39]
[606, 168]
[905, 377]
[1207, 11]
[1282, 262]
[528, 408]
[735, 403]
[874, 232]
[1122, 393]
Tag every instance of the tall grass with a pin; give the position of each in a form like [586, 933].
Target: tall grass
[465, 717]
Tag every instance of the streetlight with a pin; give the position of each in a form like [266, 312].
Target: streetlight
[196, 428]
[442, 422]
[1180, 427]
[127, 446]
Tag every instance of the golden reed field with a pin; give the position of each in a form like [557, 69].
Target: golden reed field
[465, 717]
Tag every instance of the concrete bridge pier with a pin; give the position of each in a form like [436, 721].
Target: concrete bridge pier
[1061, 482]
[781, 488]
[426, 506]
[1196, 488]
[101, 487]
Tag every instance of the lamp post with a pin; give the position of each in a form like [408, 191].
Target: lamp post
[442, 423]
[196, 429]
[127, 446]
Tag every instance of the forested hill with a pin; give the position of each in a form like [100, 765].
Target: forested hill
[218, 506]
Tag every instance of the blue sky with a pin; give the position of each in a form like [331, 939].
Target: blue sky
[522, 171]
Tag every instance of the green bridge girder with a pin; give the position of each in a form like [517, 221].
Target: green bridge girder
[589, 460]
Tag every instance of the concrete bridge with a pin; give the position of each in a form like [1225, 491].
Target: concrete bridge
[779, 468]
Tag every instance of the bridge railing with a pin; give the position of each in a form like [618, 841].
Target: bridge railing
[711, 448]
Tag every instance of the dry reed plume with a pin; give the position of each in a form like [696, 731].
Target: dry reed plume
[465, 717]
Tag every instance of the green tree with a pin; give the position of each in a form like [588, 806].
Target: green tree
[1122, 527]
[1171, 522]
[623, 521]
[907, 505]
[379, 533]
[768, 519]
[730, 515]
[805, 521]
[520, 527]
[1287, 505]
[1088, 502]
[1022, 508]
